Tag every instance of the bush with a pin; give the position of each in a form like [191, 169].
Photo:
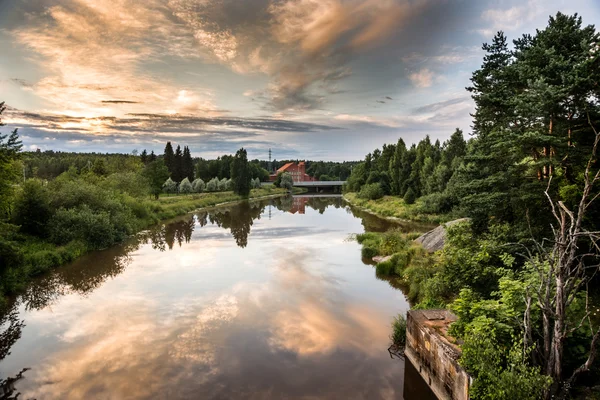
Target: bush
[410, 197]
[95, 228]
[398, 336]
[385, 268]
[372, 191]
[212, 185]
[198, 186]
[369, 250]
[437, 203]
[170, 186]
[185, 186]
[32, 208]
[286, 181]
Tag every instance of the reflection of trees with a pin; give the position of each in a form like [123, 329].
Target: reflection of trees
[320, 204]
[82, 276]
[165, 235]
[7, 386]
[10, 330]
[238, 219]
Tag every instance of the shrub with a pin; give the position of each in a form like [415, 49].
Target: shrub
[198, 186]
[213, 185]
[398, 336]
[372, 191]
[286, 181]
[369, 250]
[437, 203]
[95, 228]
[410, 197]
[170, 186]
[32, 208]
[185, 186]
[385, 268]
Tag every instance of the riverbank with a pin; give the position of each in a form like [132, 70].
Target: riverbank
[39, 256]
[395, 208]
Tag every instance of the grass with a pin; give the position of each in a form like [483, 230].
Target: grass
[398, 336]
[395, 207]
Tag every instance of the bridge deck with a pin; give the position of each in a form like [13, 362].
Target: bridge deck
[319, 183]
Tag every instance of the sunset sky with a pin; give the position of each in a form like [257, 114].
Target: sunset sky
[311, 79]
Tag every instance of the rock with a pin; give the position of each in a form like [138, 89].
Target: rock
[434, 240]
[380, 259]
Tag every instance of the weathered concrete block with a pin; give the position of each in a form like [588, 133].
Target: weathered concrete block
[434, 355]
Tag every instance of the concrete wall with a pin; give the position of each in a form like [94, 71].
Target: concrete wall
[433, 355]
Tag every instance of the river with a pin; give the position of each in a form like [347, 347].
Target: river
[261, 300]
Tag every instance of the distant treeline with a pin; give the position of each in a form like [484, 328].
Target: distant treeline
[50, 164]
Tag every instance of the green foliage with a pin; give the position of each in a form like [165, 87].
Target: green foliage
[240, 173]
[185, 186]
[170, 186]
[286, 181]
[500, 372]
[198, 186]
[398, 336]
[410, 197]
[156, 173]
[372, 191]
[32, 208]
[213, 185]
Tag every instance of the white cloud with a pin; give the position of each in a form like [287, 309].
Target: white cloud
[512, 18]
[423, 78]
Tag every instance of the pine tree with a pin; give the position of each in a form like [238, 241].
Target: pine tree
[240, 173]
[188, 164]
[169, 158]
[144, 157]
[177, 173]
[152, 157]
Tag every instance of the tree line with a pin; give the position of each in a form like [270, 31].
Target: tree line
[521, 275]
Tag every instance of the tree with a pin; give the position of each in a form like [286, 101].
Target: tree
[99, 167]
[170, 186]
[144, 157]
[177, 173]
[156, 172]
[240, 173]
[152, 157]
[169, 158]
[185, 186]
[286, 181]
[32, 208]
[10, 147]
[198, 185]
[213, 185]
[188, 164]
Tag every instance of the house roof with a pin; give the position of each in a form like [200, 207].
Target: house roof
[286, 166]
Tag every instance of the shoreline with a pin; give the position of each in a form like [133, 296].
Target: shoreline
[42, 257]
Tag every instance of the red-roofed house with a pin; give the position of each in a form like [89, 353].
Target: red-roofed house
[298, 172]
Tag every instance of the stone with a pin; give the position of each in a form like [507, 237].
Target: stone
[380, 259]
[435, 239]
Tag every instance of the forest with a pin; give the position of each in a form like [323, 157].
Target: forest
[521, 272]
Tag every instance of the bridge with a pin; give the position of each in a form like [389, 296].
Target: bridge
[319, 184]
[316, 185]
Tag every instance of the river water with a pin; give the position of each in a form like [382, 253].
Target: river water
[261, 300]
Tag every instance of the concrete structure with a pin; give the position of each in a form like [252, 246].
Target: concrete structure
[434, 354]
[435, 239]
[298, 172]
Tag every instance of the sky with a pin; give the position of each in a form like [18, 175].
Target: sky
[310, 79]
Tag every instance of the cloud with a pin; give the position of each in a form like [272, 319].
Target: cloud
[422, 78]
[119, 102]
[433, 107]
[512, 18]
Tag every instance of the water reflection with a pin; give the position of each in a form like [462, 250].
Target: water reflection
[285, 309]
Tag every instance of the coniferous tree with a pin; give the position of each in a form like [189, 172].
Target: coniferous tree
[169, 158]
[177, 173]
[188, 164]
[144, 157]
[152, 157]
[240, 173]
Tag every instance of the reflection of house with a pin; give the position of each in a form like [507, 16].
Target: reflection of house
[298, 205]
[298, 172]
